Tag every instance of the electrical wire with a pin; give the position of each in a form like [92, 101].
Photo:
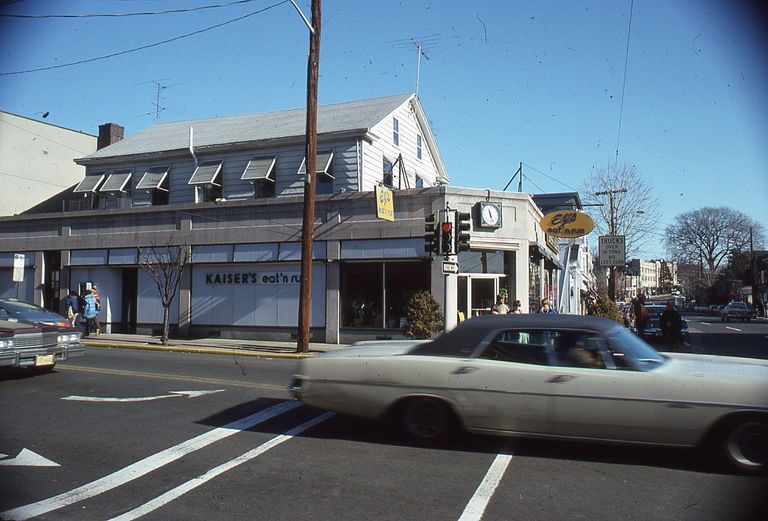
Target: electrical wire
[120, 15]
[624, 82]
[141, 48]
[550, 177]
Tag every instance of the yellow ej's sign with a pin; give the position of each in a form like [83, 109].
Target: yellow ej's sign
[567, 223]
[385, 206]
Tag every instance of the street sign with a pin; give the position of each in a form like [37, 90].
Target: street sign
[612, 250]
[18, 267]
[450, 267]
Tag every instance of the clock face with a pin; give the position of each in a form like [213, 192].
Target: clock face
[490, 214]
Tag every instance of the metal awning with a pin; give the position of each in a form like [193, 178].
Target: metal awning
[548, 255]
[206, 173]
[153, 179]
[90, 183]
[260, 168]
[323, 166]
[116, 181]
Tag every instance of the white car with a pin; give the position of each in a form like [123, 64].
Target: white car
[549, 376]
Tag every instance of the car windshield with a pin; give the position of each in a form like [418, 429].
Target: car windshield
[635, 350]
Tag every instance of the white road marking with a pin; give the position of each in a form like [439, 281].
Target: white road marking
[732, 328]
[477, 505]
[146, 465]
[705, 323]
[193, 483]
[171, 394]
[27, 458]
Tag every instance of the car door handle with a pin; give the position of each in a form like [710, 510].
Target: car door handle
[465, 369]
[561, 378]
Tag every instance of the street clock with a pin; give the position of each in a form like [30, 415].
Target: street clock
[490, 215]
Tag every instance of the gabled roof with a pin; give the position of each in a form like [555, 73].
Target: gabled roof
[355, 116]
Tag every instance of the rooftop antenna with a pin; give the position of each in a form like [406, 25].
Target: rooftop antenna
[419, 42]
[157, 103]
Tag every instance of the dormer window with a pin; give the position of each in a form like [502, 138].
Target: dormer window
[260, 171]
[155, 182]
[324, 171]
[206, 179]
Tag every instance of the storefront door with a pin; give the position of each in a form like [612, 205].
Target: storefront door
[477, 293]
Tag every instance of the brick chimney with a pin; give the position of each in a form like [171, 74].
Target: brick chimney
[109, 133]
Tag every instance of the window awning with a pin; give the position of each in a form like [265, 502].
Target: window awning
[205, 173]
[90, 183]
[116, 181]
[323, 166]
[260, 168]
[153, 178]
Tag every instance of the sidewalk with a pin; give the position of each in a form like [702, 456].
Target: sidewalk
[211, 346]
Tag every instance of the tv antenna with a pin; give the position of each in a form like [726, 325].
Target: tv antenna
[157, 103]
[419, 42]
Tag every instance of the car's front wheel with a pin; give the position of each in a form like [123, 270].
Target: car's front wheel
[428, 419]
[745, 445]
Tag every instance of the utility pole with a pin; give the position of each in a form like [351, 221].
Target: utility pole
[612, 231]
[752, 269]
[310, 179]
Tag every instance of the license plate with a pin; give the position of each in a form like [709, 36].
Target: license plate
[44, 360]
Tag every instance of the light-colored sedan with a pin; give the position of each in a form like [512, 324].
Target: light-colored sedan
[553, 376]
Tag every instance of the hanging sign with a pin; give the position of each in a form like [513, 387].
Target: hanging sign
[385, 207]
[567, 223]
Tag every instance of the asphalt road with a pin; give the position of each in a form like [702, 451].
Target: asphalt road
[119, 442]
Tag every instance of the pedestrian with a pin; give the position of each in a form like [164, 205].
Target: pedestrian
[90, 312]
[72, 308]
[97, 298]
[641, 314]
[500, 308]
[671, 326]
[516, 305]
[546, 308]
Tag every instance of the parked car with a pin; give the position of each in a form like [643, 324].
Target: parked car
[736, 311]
[578, 377]
[16, 309]
[653, 329]
[37, 346]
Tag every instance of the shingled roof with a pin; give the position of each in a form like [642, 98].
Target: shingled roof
[354, 116]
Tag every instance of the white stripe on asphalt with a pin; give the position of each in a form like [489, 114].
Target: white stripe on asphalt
[192, 484]
[147, 465]
[732, 328]
[477, 505]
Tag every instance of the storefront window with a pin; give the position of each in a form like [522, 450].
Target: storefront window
[482, 262]
[534, 283]
[375, 294]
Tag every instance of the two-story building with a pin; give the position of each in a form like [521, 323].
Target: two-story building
[231, 191]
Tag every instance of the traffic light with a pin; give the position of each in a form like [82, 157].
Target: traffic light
[462, 226]
[447, 233]
[431, 234]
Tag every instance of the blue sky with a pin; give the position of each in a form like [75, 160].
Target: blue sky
[531, 81]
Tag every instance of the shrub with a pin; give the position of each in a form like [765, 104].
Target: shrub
[606, 308]
[424, 316]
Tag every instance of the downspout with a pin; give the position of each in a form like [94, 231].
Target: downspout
[191, 146]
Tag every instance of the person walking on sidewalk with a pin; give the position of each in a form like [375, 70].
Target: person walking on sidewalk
[97, 298]
[90, 312]
[72, 308]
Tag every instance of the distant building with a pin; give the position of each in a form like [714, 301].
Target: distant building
[37, 161]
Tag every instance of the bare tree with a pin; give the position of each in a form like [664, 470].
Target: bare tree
[633, 209]
[708, 236]
[165, 264]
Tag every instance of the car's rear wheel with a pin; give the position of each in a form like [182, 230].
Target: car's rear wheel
[428, 419]
[745, 445]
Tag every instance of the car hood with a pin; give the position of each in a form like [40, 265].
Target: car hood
[375, 349]
[685, 364]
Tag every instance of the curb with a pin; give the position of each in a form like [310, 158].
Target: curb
[200, 350]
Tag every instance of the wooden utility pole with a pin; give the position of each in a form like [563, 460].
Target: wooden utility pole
[612, 224]
[310, 181]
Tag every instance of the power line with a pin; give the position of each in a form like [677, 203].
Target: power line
[120, 15]
[550, 177]
[624, 82]
[156, 44]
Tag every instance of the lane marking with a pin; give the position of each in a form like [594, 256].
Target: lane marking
[193, 483]
[476, 507]
[705, 323]
[177, 377]
[732, 328]
[171, 394]
[27, 458]
[146, 465]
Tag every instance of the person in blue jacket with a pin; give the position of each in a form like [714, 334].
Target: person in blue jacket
[90, 312]
[546, 308]
[72, 308]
